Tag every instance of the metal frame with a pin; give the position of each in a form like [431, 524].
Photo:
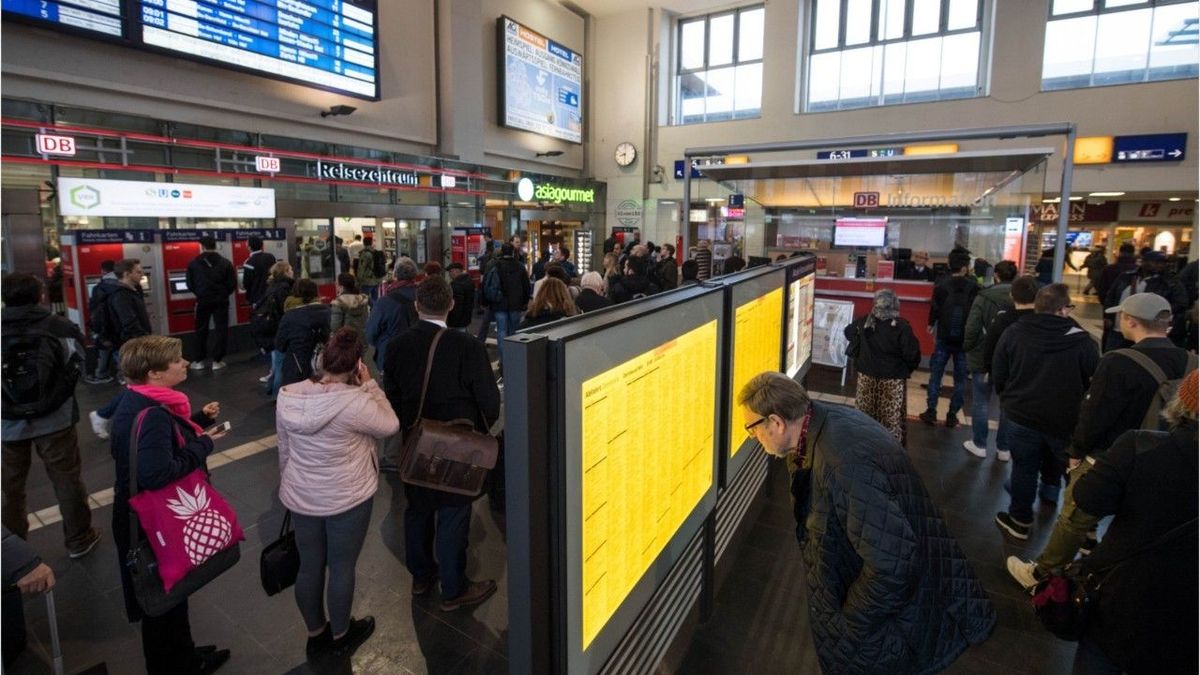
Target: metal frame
[1099, 8]
[1019, 131]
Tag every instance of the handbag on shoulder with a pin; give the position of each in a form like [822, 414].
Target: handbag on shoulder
[447, 456]
[192, 534]
[280, 560]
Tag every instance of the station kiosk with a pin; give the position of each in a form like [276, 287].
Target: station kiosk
[84, 250]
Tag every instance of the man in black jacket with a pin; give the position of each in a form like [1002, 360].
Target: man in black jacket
[1024, 290]
[126, 308]
[948, 314]
[514, 283]
[1150, 277]
[1041, 369]
[889, 590]
[210, 277]
[634, 283]
[106, 352]
[464, 297]
[461, 386]
[256, 270]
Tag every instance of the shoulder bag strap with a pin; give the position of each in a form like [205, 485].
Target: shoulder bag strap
[1146, 363]
[428, 369]
[138, 422]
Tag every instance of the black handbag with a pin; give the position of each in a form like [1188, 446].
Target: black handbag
[143, 566]
[280, 560]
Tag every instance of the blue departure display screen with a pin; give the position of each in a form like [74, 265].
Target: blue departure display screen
[102, 17]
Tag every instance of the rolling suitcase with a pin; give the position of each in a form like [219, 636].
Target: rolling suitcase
[56, 658]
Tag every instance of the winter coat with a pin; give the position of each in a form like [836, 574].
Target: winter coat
[890, 591]
[945, 292]
[1044, 270]
[1144, 619]
[667, 273]
[1041, 369]
[1159, 284]
[98, 312]
[256, 272]
[300, 331]
[1110, 273]
[625, 287]
[590, 301]
[514, 282]
[168, 449]
[210, 277]
[1094, 264]
[888, 350]
[14, 320]
[327, 440]
[1120, 393]
[464, 301]
[988, 303]
[127, 310]
[349, 309]
[529, 320]
[394, 313]
[999, 324]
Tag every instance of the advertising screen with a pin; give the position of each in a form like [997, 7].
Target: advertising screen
[864, 232]
[99, 17]
[757, 337]
[801, 286]
[541, 83]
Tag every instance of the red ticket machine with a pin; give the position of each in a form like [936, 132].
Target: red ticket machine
[180, 247]
[466, 246]
[84, 250]
[274, 242]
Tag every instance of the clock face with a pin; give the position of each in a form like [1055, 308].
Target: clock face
[626, 154]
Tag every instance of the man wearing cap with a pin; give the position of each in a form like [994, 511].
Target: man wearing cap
[1149, 277]
[1117, 399]
[464, 297]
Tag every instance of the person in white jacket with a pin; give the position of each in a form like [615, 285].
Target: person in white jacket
[328, 426]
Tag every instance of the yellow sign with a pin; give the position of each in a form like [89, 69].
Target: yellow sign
[1093, 150]
[757, 341]
[638, 488]
[942, 149]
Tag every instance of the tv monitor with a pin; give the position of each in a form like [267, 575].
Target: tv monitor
[860, 232]
[540, 81]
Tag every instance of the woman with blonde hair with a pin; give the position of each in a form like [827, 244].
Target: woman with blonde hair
[552, 302]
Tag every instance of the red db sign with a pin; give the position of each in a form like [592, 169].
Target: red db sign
[267, 164]
[866, 199]
[55, 145]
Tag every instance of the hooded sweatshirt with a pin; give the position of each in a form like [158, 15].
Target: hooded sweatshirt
[327, 434]
[1042, 368]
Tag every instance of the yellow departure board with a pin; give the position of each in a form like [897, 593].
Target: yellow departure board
[757, 341]
[647, 429]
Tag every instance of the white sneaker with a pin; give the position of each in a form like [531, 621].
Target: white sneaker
[217, 365]
[1023, 571]
[99, 425]
[266, 378]
[197, 365]
[970, 447]
[1003, 455]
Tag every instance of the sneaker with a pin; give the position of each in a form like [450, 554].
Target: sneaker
[970, 447]
[319, 643]
[929, 417]
[86, 547]
[99, 425]
[90, 379]
[477, 592]
[197, 365]
[951, 420]
[360, 630]
[217, 365]
[1012, 527]
[1024, 571]
[1003, 455]
[266, 378]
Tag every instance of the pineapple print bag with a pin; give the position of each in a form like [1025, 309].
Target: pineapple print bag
[191, 532]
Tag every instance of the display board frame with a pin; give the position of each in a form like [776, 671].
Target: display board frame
[502, 83]
[800, 269]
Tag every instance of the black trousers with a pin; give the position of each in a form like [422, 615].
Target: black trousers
[167, 643]
[219, 313]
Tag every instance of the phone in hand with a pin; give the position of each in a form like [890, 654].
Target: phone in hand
[221, 428]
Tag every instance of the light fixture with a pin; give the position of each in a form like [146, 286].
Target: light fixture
[1105, 194]
[1056, 200]
[337, 110]
[1173, 199]
[550, 153]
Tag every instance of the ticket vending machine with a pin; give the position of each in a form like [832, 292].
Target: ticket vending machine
[466, 246]
[274, 242]
[84, 250]
[180, 247]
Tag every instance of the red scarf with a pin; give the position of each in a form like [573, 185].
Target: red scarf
[175, 401]
[800, 450]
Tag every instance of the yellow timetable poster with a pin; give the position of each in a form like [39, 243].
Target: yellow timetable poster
[639, 486]
[757, 336]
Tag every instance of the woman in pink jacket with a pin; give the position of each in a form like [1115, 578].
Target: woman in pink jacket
[328, 426]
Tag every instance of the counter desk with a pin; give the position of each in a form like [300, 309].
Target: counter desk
[915, 298]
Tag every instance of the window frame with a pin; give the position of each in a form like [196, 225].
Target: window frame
[942, 31]
[1098, 8]
[677, 117]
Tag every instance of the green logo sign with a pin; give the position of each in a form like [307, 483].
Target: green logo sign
[555, 193]
[85, 197]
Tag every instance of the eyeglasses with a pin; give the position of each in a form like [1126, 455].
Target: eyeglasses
[750, 427]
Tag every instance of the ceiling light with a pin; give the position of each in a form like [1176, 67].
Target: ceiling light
[1056, 200]
[1173, 199]
[1105, 194]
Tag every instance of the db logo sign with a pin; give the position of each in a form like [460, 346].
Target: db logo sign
[55, 145]
[266, 164]
[864, 200]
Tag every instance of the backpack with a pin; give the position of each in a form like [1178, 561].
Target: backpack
[101, 322]
[380, 265]
[369, 267]
[1166, 388]
[37, 375]
[952, 318]
[493, 290]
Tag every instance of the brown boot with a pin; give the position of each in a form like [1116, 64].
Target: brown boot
[477, 592]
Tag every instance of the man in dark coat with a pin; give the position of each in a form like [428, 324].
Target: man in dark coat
[1150, 277]
[634, 283]
[210, 277]
[889, 589]
[514, 283]
[395, 312]
[464, 297]
[256, 271]
[461, 386]
[127, 317]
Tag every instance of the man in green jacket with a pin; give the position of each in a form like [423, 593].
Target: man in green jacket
[988, 303]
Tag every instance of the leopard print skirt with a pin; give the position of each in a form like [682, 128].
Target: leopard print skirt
[886, 401]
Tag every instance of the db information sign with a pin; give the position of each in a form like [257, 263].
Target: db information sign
[266, 164]
[864, 200]
[55, 145]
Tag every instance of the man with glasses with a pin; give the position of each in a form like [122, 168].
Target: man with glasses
[889, 589]
[1041, 369]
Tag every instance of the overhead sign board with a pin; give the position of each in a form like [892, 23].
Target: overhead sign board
[697, 164]
[1157, 212]
[859, 152]
[96, 197]
[101, 17]
[48, 144]
[1149, 148]
[541, 83]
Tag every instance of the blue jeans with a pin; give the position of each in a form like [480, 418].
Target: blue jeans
[329, 543]
[276, 373]
[372, 294]
[981, 399]
[107, 364]
[1033, 452]
[937, 367]
[433, 523]
[489, 315]
[506, 324]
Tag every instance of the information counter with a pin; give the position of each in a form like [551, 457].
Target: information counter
[915, 298]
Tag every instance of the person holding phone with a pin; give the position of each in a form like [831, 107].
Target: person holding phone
[172, 442]
[328, 426]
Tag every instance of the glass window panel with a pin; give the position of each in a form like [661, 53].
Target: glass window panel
[750, 35]
[924, 61]
[856, 73]
[960, 60]
[1069, 6]
[1173, 53]
[891, 19]
[858, 22]
[876, 72]
[1121, 41]
[894, 58]
[963, 14]
[691, 45]
[1122, 3]
[720, 40]
[719, 98]
[1070, 46]
[926, 15]
[824, 73]
[748, 88]
[825, 30]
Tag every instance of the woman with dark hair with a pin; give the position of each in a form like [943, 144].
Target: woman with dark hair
[349, 308]
[304, 326]
[885, 353]
[552, 302]
[328, 428]
[266, 314]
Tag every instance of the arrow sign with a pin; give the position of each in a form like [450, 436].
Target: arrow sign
[1150, 148]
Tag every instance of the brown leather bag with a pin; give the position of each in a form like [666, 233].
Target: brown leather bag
[447, 456]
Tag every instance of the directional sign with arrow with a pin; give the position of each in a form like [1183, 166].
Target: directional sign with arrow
[1150, 148]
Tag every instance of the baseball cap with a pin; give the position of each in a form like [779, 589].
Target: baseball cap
[1154, 256]
[1145, 306]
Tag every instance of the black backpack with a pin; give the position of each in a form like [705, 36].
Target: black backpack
[37, 375]
[100, 318]
[380, 264]
[952, 319]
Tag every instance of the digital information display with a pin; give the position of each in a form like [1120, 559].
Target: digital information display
[325, 43]
[757, 337]
[541, 83]
[638, 490]
[866, 232]
[102, 17]
[800, 324]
